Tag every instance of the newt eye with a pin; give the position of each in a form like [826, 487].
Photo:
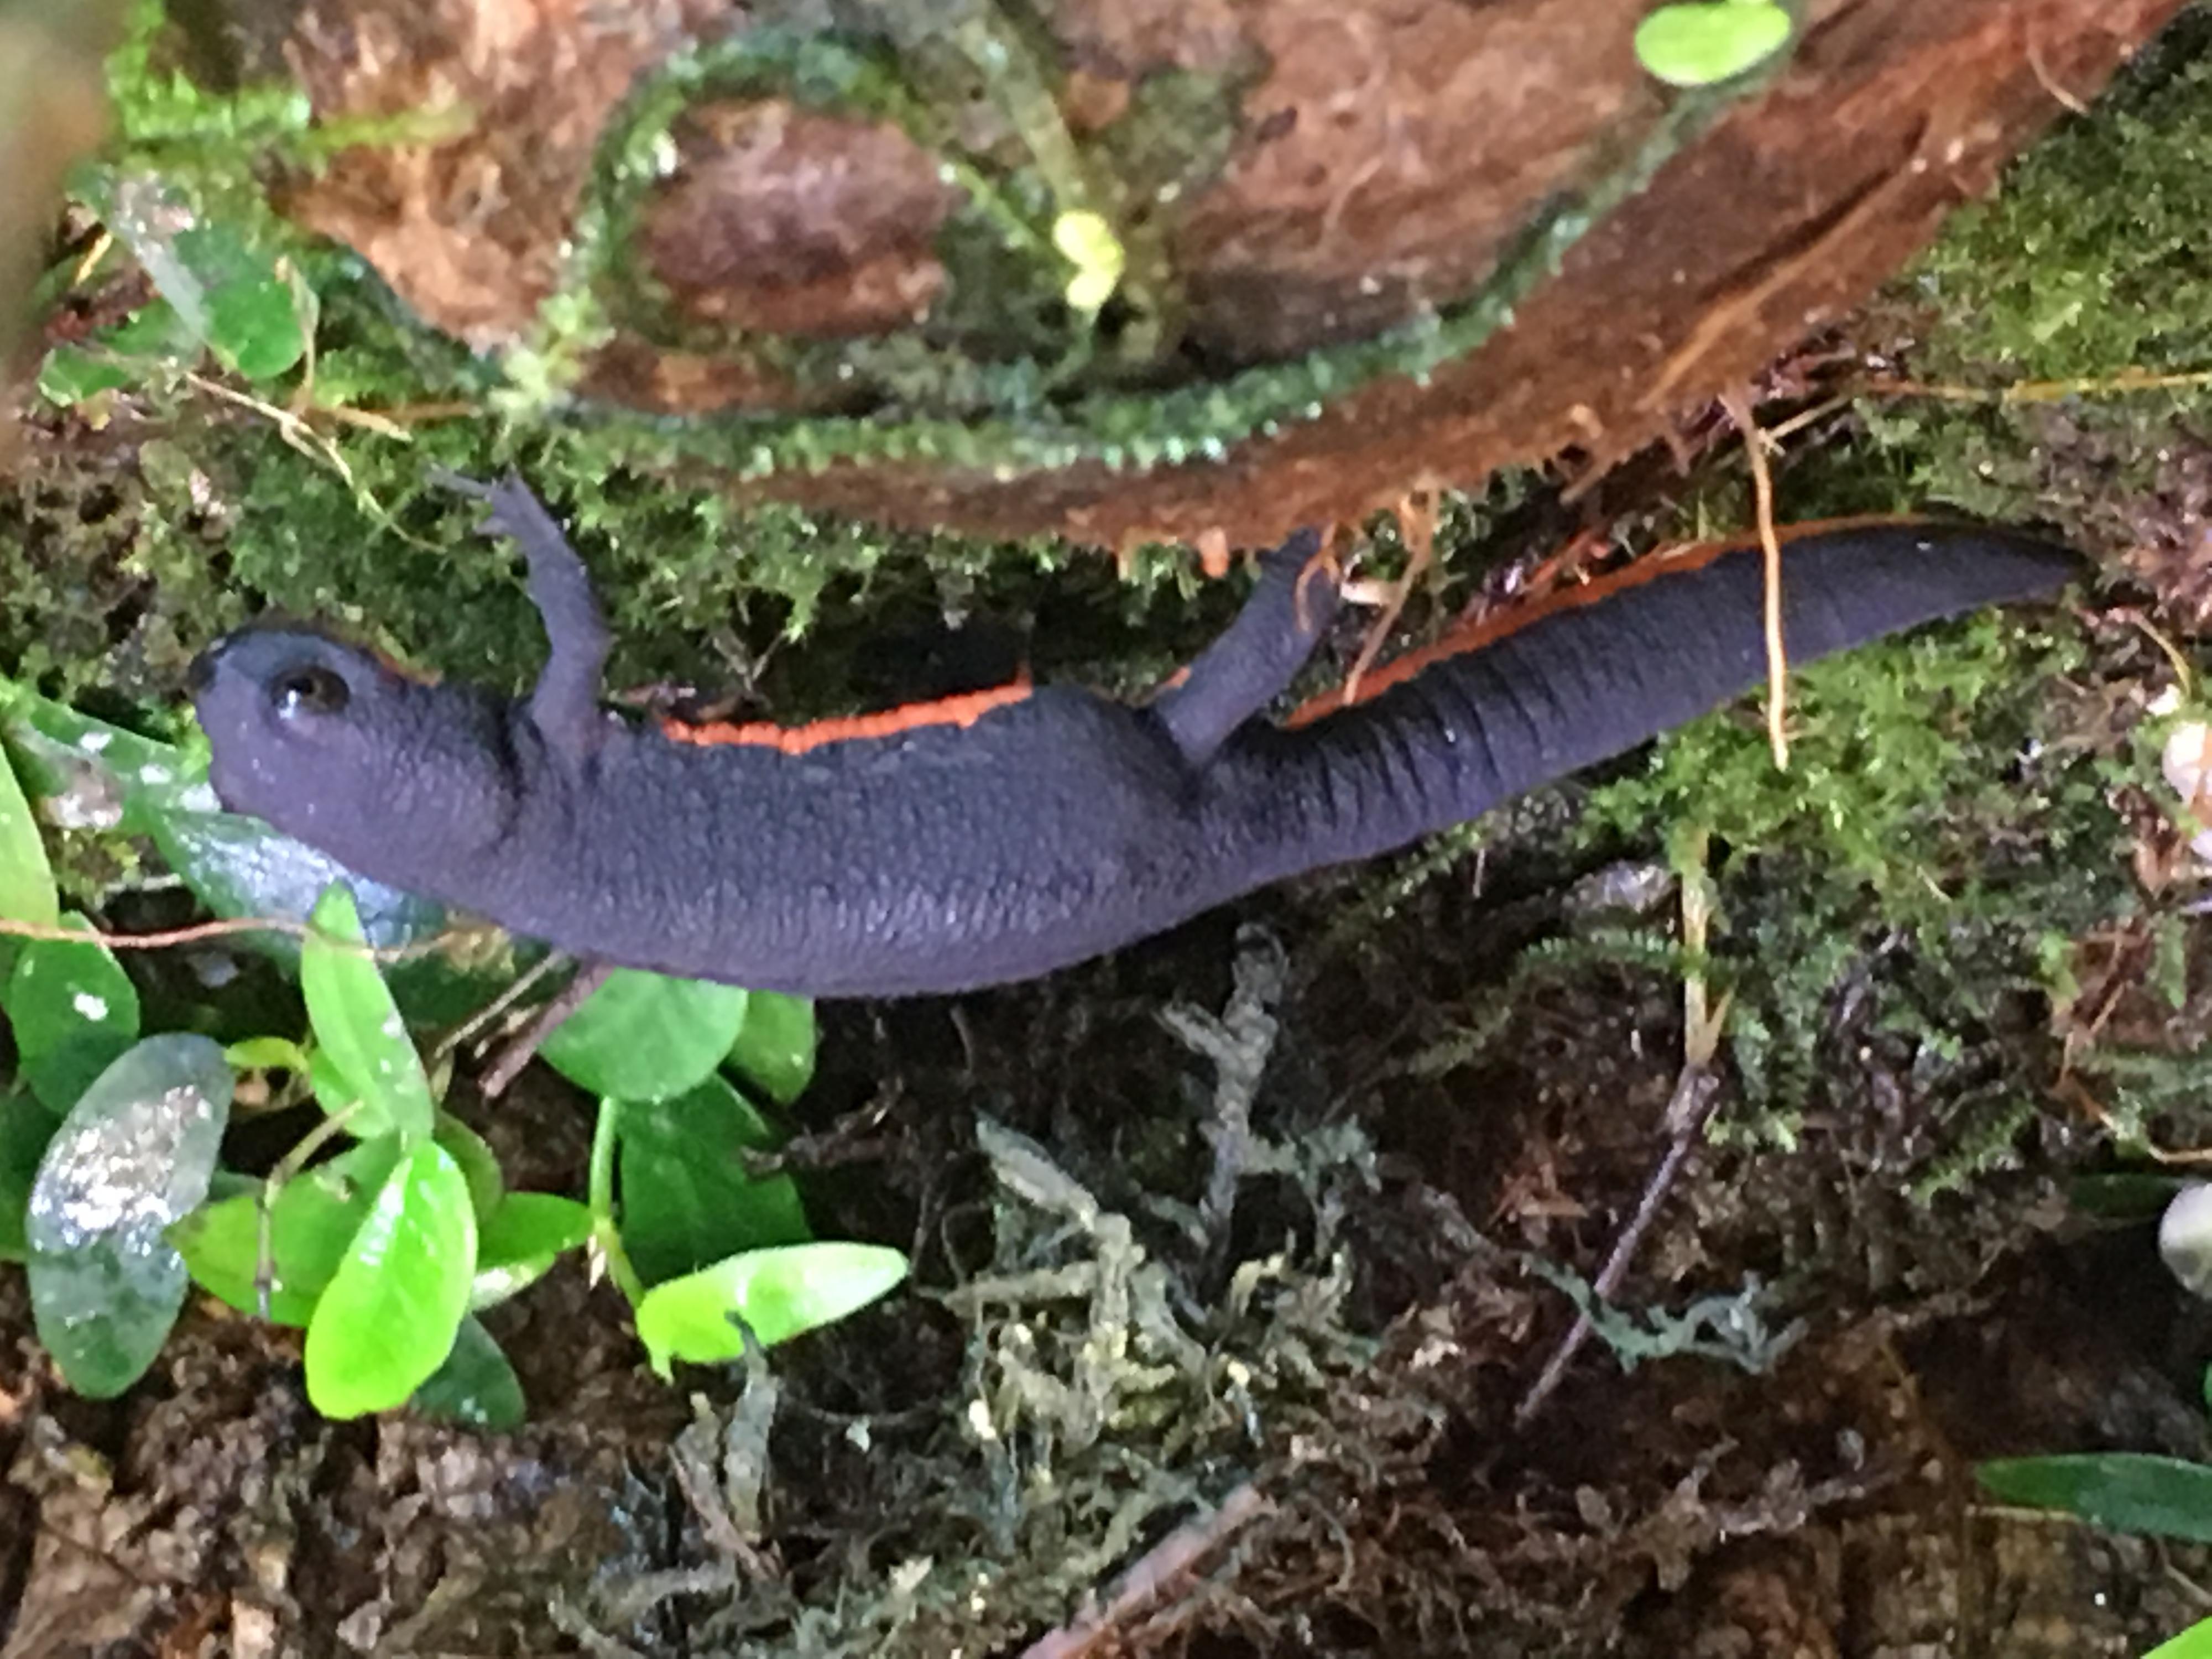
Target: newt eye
[310, 689]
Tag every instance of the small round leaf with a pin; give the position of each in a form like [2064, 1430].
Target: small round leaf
[487, 1185]
[646, 1036]
[687, 1199]
[1699, 43]
[134, 1154]
[520, 1241]
[2125, 1492]
[387, 1319]
[27, 879]
[2194, 1642]
[74, 1011]
[358, 1026]
[311, 1226]
[476, 1387]
[26, 1128]
[776, 1047]
[778, 1294]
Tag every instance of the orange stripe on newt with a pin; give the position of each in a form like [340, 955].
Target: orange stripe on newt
[1489, 629]
[961, 711]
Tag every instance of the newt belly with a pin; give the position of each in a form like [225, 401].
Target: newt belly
[1008, 833]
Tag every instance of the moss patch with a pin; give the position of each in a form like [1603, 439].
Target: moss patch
[1938, 838]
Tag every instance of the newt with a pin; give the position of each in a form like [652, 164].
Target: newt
[1005, 834]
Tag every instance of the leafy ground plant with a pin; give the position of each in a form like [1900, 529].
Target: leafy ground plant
[2142, 1492]
[2125, 1492]
[388, 1228]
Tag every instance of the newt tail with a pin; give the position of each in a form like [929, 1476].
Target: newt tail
[1024, 831]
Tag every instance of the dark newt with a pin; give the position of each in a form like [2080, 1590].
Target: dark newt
[1018, 832]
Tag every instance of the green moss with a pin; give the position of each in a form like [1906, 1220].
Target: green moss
[1174, 136]
[2142, 1087]
[1931, 837]
[1881, 764]
[1107, 1386]
[2086, 265]
[2089, 260]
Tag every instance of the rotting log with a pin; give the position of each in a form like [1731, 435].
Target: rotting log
[1363, 247]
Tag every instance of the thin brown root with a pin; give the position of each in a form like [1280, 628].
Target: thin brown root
[1778, 661]
[2123, 381]
[200, 932]
[523, 983]
[1148, 1581]
[1417, 525]
[1697, 1090]
[518, 1054]
[2065, 99]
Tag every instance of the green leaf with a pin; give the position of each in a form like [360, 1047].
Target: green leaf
[254, 321]
[74, 1011]
[72, 374]
[531, 1226]
[134, 1154]
[98, 775]
[224, 290]
[154, 334]
[2125, 1492]
[334, 1089]
[239, 867]
[388, 1318]
[779, 1294]
[1702, 42]
[476, 1387]
[527, 1225]
[220, 1244]
[27, 879]
[522, 1239]
[147, 214]
[2130, 1195]
[312, 1224]
[134, 351]
[646, 1036]
[775, 1046]
[686, 1198]
[486, 1186]
[102, 776]
[358, 1026]
[26, 1127]
[2195, 1643]
[267, 1053]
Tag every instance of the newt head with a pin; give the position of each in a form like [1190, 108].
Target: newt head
[333, 746]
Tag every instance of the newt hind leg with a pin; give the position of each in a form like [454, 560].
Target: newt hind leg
[1258, 655]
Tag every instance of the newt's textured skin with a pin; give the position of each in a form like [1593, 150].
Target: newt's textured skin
[1035, 831]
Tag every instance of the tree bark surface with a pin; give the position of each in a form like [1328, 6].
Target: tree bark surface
[1336, 169]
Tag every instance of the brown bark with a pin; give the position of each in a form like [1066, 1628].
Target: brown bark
[1384, 153]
